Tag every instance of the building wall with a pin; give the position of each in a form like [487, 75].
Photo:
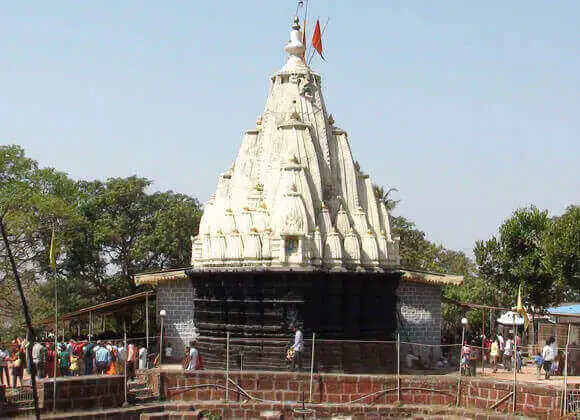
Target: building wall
[176, 298]
[419, 306]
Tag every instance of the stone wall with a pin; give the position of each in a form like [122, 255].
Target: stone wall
[419, 306]
[177, 298]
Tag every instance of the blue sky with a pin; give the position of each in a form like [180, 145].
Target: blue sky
[471, 109]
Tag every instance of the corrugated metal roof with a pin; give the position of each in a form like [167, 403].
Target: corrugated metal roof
[566, 309]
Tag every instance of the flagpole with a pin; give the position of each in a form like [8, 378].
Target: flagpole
[55, 341]
[52, 263]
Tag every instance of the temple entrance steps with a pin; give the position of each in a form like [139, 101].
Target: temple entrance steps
[140, 390]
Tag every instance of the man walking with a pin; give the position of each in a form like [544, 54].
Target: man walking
[297, 347]
[193, 357]
[548, 358]
[39, 359]
[131, 360]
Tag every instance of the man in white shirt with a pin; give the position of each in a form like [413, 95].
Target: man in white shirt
[193, 356]
[168, 353]
[298, 346]
[143, 358]
[548, 358]
[508, 354]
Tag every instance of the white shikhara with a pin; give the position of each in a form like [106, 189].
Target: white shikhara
[295, 198]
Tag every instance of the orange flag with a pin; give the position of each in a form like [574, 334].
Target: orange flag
[317, 39]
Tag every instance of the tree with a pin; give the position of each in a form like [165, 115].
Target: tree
[105, 233]
[517, 256]
[561, 247]
[126, 231]
[385, 197]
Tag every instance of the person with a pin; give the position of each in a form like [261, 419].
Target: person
[131, 360]
[501, 342]
[441, 363]
[573, 359]
[18, 364]
[50, 360]
[519, 360]
[297, 348]
[465, 358]
[39, 359]
[102, 358]
[548, 359]
[494, 354]
[121, 357]
[143, 358]
[168, 353]
[63, 360]
[559, 362]
[88, 358]
[554, 347]
[185, 361]
[508, 353]
[113, 362]
[75, 365]
[538, 361]
[4, 358]
[413, 361]
[193, 357]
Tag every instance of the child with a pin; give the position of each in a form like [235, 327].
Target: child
[519, 360]
[538, 360]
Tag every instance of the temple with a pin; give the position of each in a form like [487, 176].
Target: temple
[294, 235]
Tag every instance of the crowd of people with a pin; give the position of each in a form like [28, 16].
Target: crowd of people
[71, 358]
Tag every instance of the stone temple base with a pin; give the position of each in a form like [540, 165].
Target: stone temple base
[258, 309]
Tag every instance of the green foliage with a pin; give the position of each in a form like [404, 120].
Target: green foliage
[32, 200]
[561, 245]
[126, 231]
[105, 233]
[533, 249]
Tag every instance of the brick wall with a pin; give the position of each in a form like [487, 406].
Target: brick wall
[291, 388]
[177, 299]
[83, 392]
[420, 308]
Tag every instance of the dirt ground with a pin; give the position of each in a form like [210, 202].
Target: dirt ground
[529, 374]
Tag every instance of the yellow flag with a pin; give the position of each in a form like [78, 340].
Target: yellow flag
[521, 310]
[52, 254]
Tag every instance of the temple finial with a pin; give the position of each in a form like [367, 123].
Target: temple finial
[295, 47]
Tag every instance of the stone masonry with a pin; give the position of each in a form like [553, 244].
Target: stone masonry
[419, 306]
[177, 298]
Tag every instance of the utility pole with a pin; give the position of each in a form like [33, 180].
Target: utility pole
[27, 318]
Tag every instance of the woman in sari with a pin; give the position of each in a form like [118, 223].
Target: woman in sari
[112, 369]
[18, 365]
[50, 360]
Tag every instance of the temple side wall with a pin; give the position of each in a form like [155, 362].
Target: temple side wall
[176, 297]
[420, 308]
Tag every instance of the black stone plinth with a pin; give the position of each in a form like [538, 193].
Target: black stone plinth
[346, 310]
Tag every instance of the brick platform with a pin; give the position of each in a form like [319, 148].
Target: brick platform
[542, 400]
[83, 392]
